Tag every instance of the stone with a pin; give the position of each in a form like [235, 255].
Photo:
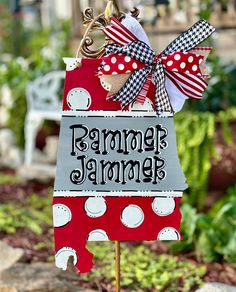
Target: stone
[6, 104]
[51, 147]
[36, 171]
[9, 256]
[4, 288]
[7, 139]
[38, 277]
[39, 157]
[15, 157]
[216, 287]
[10, 155]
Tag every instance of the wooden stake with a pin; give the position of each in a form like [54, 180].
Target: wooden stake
[117, 258]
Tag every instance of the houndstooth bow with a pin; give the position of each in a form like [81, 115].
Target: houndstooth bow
[140, 51]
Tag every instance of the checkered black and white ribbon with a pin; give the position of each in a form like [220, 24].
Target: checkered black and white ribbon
[140, 51]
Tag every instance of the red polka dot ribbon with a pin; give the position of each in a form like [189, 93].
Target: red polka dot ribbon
[119, 64]
[183, 62]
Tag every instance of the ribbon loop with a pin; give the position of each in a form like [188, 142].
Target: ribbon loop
[190, 38]
[158, 66]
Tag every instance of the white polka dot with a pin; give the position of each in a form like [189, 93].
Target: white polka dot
[190, 59]
[175, 69]
[61, 215]
[98, 235]
[113, 60]
[95, 207]
[107, 68]
[121, 67]
[63, 255]
[163, 206]
[169, 63]
[135, 66]
[132, 216]
[194, 67]
[177, 57]
[182, 65]
[200, 61]
[127, 59]
[128, 71]
[187, 71]
[79, 98]
[168, 233]
[114, 73]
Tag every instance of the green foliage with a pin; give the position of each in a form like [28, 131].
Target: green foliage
[34, 213]
[195, 133]
[211, 235]
[43, 53]
[142, 270]
[5, 29]
[221, 91]
[195, 136]
[9, 179]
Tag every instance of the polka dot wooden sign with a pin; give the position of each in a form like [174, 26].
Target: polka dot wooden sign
[118, 173]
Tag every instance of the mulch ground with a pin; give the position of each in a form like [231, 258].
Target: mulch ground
[31, 243]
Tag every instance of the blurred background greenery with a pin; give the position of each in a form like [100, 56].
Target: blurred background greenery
[34, 36]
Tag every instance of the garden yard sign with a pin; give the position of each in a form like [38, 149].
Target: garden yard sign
[118, 173]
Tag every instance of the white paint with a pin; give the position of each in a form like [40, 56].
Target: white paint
[84, 113]
[168, 233]
[113, 60]
[121, 67]
[71, 63]
[177, 57]
[61, 215]
[107, 86]
[163, 206]
[98, 235]
[62, 257]
[62, 193]
[132, 216]
[95, 207]
[137, 106]
[127, 59]
[79, 98]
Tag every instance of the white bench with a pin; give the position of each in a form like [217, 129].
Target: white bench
[43, 103]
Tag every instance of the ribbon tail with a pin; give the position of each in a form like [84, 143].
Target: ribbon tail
[192, 37]
[162, 98]
[192, 86]
[132, 87]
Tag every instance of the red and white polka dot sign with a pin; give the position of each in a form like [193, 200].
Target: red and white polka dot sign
[78, 220]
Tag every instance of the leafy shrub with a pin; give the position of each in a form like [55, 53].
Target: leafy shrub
[195, 136]
[9, 179]
[195, 133]
[34, 214]
[211, 235]
[44, 54]
[221, 91]
[142, 270]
